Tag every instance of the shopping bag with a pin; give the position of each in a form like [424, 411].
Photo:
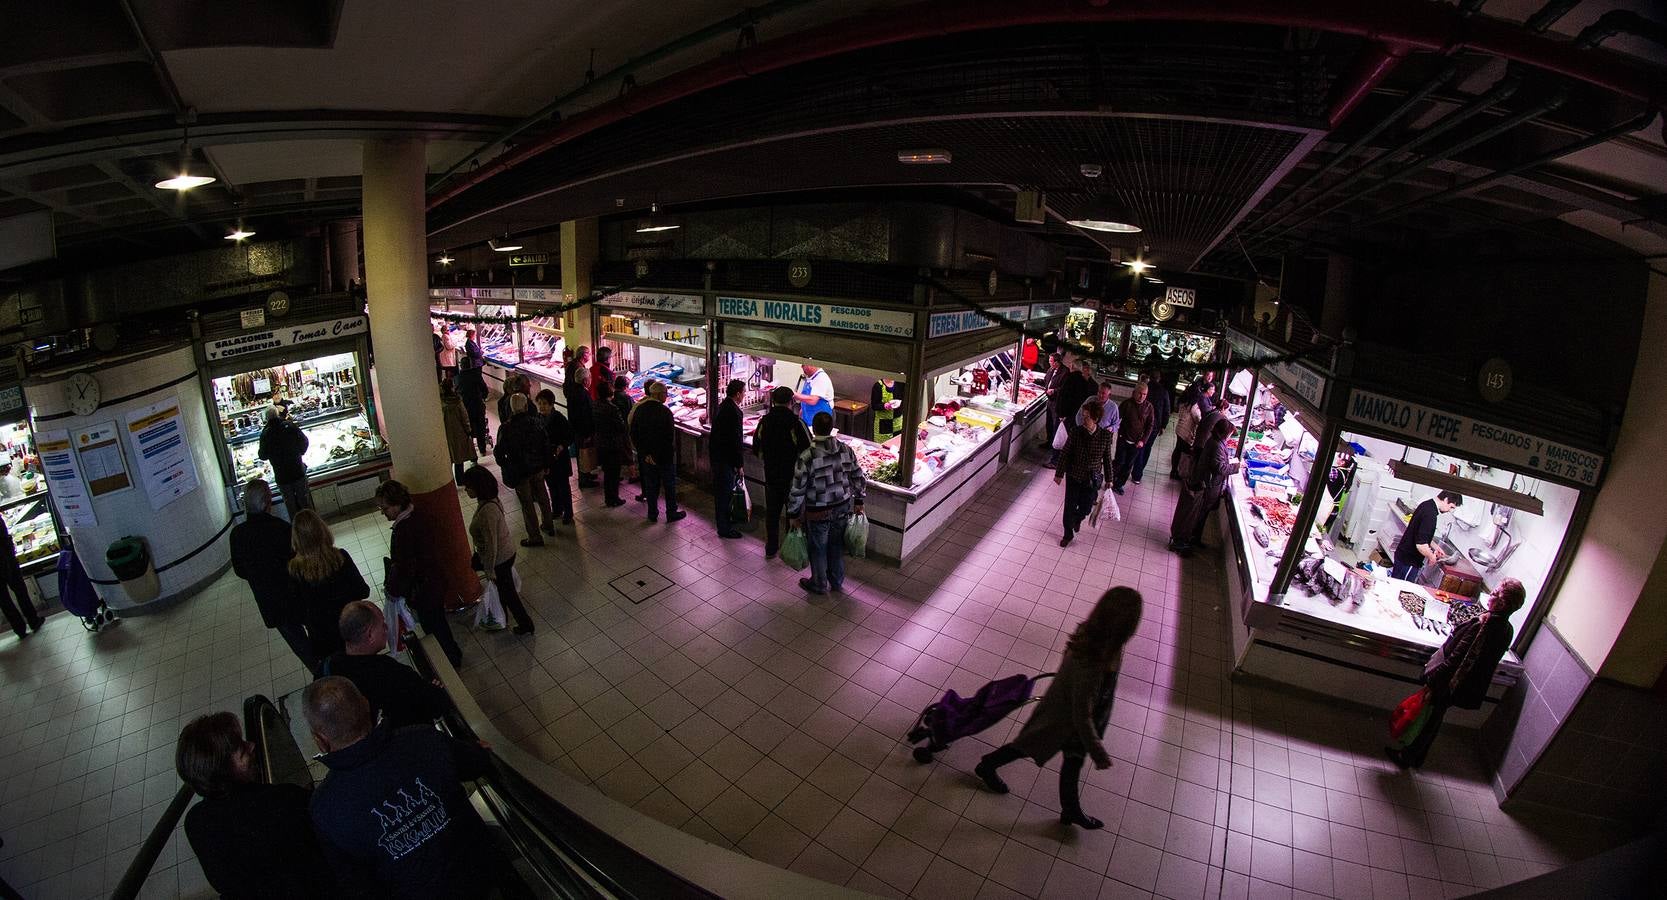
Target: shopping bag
[1113, 509]
[489, 615]
[856, 536]
[740, 504]
[1409, 717]
[794, 551]
[1059, 436]
[396, 615]
[587, 460]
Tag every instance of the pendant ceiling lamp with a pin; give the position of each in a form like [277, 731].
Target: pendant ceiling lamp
[1103, 213]
[184, 180]
[504, 244]
[656, 222]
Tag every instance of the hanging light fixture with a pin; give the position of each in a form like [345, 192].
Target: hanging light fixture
[656, 222]
[238, 234]
[1103, 213]
[185, 181]
[445, 259]
[503, 244]
[1139, 266]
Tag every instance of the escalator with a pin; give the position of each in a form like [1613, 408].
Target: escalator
[567, 841]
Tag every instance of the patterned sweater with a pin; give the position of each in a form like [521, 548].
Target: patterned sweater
[826, 475]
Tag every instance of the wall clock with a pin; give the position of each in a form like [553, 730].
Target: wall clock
[83, 392]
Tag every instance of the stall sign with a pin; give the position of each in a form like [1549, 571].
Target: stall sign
[449, 293]
[11, 400]
[251, 318]
[1467, 436]
[960, 321]
[1048, 310]
[1303, 381]
[538, 295]
[492, 293]
[1180, 297]
[890, 322]
[687, 304]
[287, 336]
[63, 479]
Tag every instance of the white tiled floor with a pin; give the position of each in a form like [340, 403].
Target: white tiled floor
[738, 709]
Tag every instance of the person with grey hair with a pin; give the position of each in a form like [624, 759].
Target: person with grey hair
[284, 444]
[392, 816]
[261, 551]
[394, 690]
[654, 435]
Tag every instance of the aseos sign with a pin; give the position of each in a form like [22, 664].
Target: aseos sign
[288, 336]
[1469, 437]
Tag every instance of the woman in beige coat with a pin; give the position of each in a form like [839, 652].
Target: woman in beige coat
[1072, 717]
[494, 547]
[456, 419]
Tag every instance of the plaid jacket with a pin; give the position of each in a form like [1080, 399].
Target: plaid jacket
[1084, 452]
[826, 475]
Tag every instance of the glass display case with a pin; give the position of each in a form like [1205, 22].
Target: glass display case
[965, 407]
[669, 352]
[1079, 324]
[23, 497]
[542, 346]
[1169, 347]
[1032, 375]
[326, 400]
[500, 341]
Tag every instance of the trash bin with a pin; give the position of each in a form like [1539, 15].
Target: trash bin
[129, 558]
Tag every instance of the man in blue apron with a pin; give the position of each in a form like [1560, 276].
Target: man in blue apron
[815, 394]
[885, 402]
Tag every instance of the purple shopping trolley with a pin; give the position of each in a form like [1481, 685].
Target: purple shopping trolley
[954, 717]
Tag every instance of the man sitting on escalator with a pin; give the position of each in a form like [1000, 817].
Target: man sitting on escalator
[253, 840]
[393, 817]
[395, 691]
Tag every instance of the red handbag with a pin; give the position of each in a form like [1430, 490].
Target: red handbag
[1405, 722]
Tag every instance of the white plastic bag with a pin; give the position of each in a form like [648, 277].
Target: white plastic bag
[1059, 435]
[1112, 509]
[396, 615]
[489, 615]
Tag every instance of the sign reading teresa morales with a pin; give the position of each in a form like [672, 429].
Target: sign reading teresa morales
[889, 322]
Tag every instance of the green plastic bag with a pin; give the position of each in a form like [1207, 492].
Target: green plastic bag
[856, 536]
[794, 551]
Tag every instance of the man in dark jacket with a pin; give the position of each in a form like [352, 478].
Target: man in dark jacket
[523, 454]
[471, 389]
[253, 840]
[411, 571]
[1138, 421]
[394, 690]
[559, 476]
[654, 435]
[22, 615]
[392, 816]
[1075, 386]
[1162, 402]
[260, 555]
[283, 444]
[726, 455]
[778, 439]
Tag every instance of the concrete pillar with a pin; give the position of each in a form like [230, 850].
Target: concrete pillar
[343, 236]
[396, 273]
[579, 248]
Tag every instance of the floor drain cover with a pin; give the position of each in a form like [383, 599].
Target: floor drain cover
[641, 584]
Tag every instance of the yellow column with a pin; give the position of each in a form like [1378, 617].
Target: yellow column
[396, 280]
[579, 249]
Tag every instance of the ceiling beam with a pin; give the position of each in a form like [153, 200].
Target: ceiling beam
[71, 63]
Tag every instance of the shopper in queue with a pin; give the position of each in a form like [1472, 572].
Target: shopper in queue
[778, 439]
[514, 383]
[1191, 412]
[22, 615]
[1108, 419]
[1075, 386]
[1084, 466]
[1163, 401]
[727, 456]
[1050, 386]
[494, 551]
[622, 402]
[472, 393]
[602, 371]
[1460, 673]
[1072, 716]
[523, 453]
[413, 573]
[582, 417]
[828, 488]
[558, 477]
[324, 579]
[612, 444]
[1202, 488]
[398, 696]
[459, 445]
[283, 444]
[1139, 423]
[1417, 547]
[654, 435]
[261, 551]
[253, 840]
[392, 816]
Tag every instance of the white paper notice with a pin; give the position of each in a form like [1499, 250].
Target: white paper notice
[158, 435]
[103, 465]
[63, 479]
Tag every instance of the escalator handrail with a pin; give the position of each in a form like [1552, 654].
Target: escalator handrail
[255, 734]
[139, 869]
[629, 852]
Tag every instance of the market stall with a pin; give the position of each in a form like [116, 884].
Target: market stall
[1318, 517]
[1030, 394]
[543, 348]
[660, 337]
[24, 501]
[320, 367]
